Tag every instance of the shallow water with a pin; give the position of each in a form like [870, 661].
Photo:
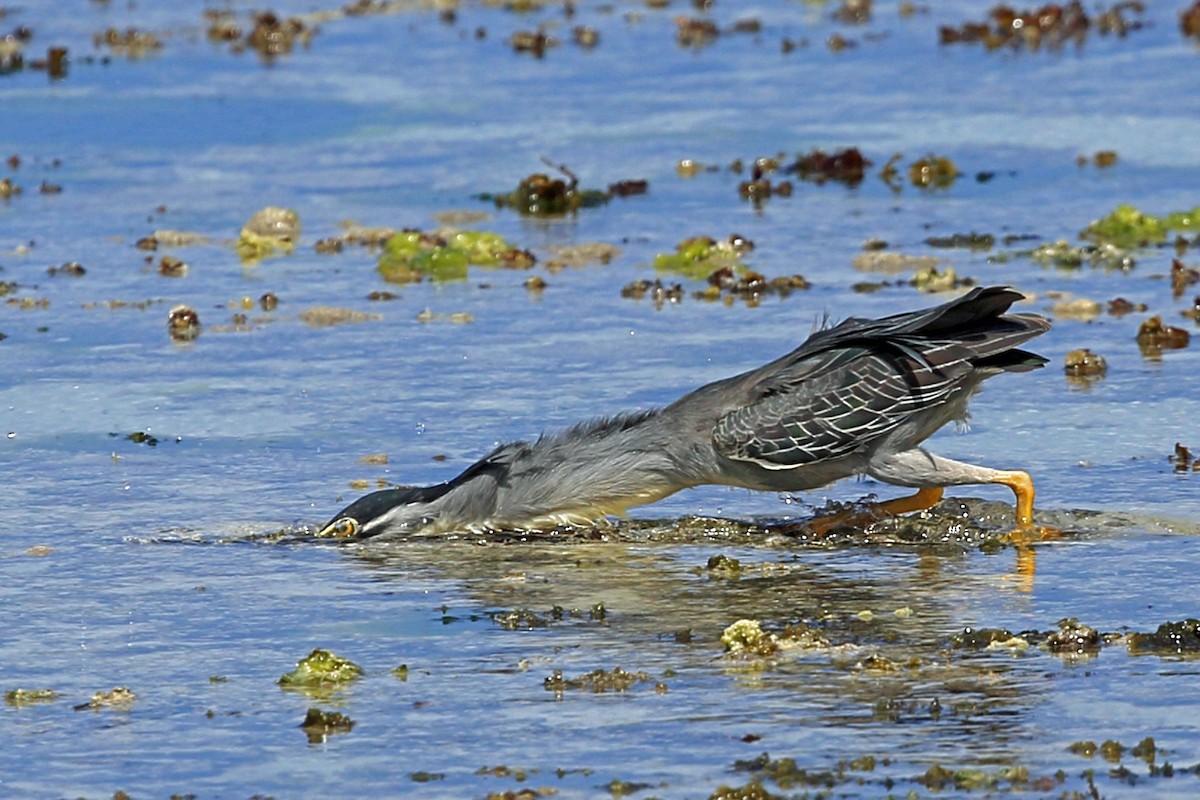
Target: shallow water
[156, 567]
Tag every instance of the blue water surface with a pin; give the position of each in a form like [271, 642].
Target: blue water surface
[155, 567]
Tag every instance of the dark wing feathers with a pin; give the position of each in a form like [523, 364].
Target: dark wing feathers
[850, 384]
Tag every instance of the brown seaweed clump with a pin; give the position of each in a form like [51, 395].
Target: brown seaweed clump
[183, 323]
[600, 681]
[1171, 638]
[843, 166]
[1153, 337]
[760, 187]
[131, 42]
[1051, 26]
[540, 195]
[1183, 460]
[534, 42]
[1182, 276]
[269, 34]
[1189, 21]
[1073, 638]
[659, 293]
[318, 724]
[1084, 366]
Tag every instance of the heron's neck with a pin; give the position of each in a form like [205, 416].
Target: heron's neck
[579, 475]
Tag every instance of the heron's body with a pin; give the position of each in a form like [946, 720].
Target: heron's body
[854, 399]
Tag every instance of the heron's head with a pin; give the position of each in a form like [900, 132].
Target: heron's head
[395, 512]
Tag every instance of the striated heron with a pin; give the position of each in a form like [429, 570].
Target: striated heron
[854, 399]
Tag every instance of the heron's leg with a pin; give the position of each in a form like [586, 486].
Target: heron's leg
[926, 497]
[920, 468]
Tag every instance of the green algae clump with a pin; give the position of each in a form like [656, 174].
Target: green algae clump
[1128, 227]
[18, 698]
[700, 256]
[412, 255]
[269, 232]
[746, 637]
[321, 669]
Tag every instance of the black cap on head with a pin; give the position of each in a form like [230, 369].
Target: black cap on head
[355, 520]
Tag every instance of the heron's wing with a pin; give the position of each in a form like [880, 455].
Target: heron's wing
[829, 404]
[857, 381]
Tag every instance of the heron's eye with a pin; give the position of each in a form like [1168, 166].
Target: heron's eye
[345, 528]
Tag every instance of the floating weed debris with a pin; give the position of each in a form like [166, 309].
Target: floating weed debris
[660, 293]
[581, 255]
[19, 698]
[1189, 21]
[1183, 460]
[988, 639]
[759, 187]
[846, 166]
[421, 776]
[171, 267]
[327, 316]
[1080, 308]
[267, 33]
[695, 32]
[931, 279]
[318, 724]
[890, 263]
[1128, 227]
[271, 231]
[785, 773]
[139, 437]
[119, 699]
[970, 241]
[746, 638]
[1119, 307]
[1153, 337]
[723, 566]
[131, 42]
[1083, 367]
[412, 255]
[937, 778]
[72, 269]
[1074, 639]
[699, 256]
[524, 619]
[1051, 26]
[183, 323]
[319, 672]
[170, 238]
[600, 681]
[1182, 277]
[933, 172]
[1063, 255]
[727, 284]
[540, 195]
[1101, 159]
[373, 238]
[428, 315]
[535, 42]
[1171, 638]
